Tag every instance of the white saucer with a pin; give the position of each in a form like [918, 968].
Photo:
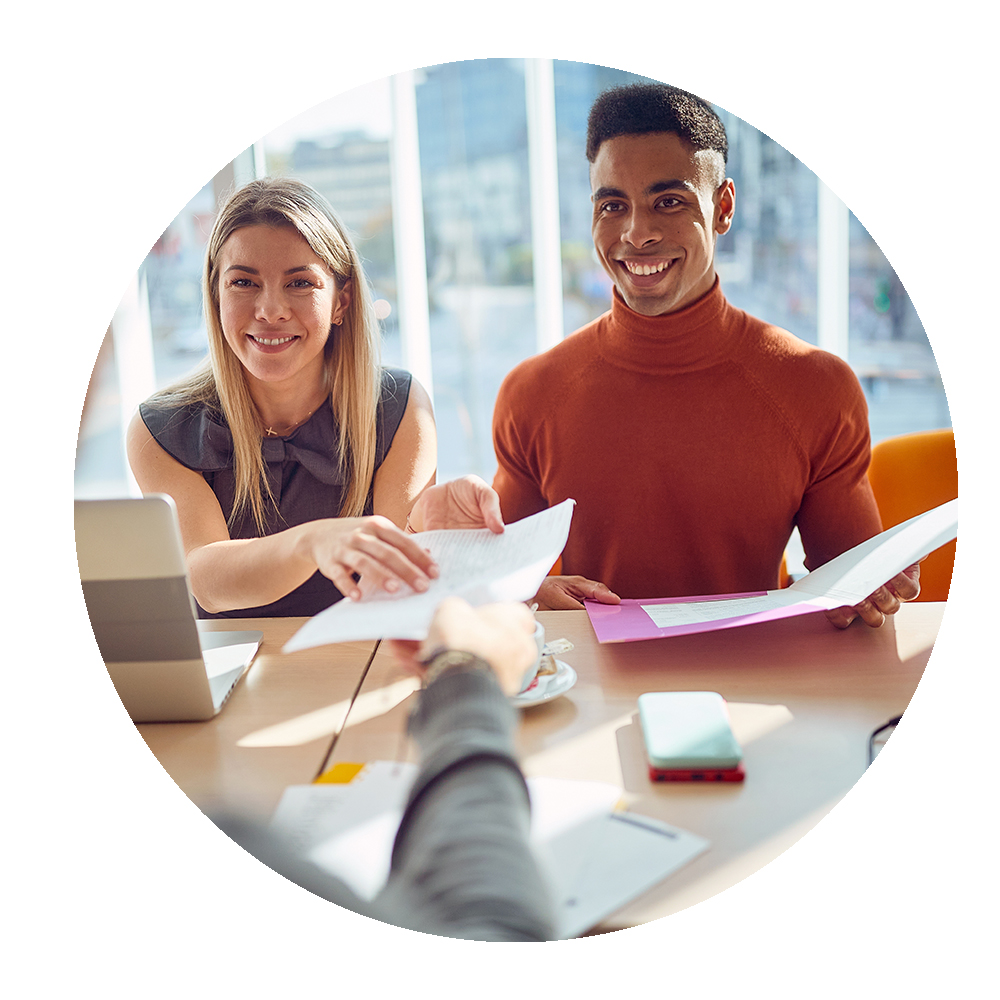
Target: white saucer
[549, 686]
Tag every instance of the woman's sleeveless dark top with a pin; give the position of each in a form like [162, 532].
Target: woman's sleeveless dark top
[303, 471]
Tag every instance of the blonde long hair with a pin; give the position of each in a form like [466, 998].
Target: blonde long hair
[352, 350]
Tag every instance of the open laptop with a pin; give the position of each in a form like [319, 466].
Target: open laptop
[164, 668]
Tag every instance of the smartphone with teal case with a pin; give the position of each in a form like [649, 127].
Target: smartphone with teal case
[688, 736]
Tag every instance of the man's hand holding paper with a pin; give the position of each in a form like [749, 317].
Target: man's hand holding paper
[500, 634]
[463, 504]
[837, 587]
[567, 593]
[886, 600]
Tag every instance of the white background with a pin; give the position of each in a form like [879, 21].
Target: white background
[115, 116]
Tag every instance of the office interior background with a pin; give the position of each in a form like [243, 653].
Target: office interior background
[466, 188]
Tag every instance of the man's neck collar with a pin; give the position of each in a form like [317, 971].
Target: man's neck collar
[689, 339]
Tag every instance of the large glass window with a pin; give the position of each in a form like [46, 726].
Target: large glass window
[341, 148]
[889, 349]
[172, 274]
[767, 262]
[100, 452]
[477, 222]
[471, 156]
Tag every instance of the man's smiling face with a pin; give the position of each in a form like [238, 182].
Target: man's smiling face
[659, 205]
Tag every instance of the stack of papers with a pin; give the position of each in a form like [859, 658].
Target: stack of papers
[843, 581]
[596, 859]
[475, 565]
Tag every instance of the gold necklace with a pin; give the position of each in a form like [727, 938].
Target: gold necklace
[271, 432]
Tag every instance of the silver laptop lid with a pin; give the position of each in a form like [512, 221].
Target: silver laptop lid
[135, 579]
[135, 585]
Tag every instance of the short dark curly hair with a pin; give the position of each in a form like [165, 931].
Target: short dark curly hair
[654, 107]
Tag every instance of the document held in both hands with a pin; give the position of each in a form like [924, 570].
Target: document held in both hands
[479, 566]
[844, 581]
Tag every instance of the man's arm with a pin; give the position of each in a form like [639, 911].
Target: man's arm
[462, 865]
[839, 512]
[518, 484]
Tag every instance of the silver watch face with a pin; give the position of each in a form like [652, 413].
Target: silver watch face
[445, 660]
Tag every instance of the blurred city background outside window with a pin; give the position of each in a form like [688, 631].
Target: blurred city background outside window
[468, 258]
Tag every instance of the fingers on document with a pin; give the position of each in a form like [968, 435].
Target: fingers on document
[841, 617]
[381, 555]
[906, 585]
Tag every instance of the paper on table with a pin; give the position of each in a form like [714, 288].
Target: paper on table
[635, 853]
[596, 860]
[348, 829]
[846, 580]
[478, 566]
[605, 860]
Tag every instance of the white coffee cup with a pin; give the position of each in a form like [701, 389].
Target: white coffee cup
[532, 671]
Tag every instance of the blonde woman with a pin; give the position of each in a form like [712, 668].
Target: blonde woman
[298, 464]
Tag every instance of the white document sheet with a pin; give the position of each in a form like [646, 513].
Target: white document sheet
[479, 566]
[667, 615]
[856, 573]
[632, 853]
[596, 859]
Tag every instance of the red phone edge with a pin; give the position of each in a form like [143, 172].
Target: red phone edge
[700, 774]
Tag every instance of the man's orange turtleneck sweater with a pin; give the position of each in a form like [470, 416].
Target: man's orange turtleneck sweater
[693, 443]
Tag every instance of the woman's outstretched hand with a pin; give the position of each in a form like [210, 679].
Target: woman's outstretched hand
[363, 554]
[374, 549]
[468, 502]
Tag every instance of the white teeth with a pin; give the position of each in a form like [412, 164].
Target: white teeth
[644, 269]
[272, 343]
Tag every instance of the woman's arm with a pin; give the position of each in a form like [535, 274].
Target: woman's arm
[227, 574]
[409, 467]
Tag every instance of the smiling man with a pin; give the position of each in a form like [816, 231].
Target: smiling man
[693, 436]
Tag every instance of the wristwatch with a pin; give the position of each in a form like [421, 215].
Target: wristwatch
[443, 660]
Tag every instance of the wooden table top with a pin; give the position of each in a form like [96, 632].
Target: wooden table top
[803, 697]
[275, 729]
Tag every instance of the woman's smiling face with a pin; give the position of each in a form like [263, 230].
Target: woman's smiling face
[277, 301]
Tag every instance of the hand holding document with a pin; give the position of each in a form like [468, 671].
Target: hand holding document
[843, 581]
[476, 565]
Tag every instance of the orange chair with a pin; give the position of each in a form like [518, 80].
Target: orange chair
[910, 474]
[784, 577]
